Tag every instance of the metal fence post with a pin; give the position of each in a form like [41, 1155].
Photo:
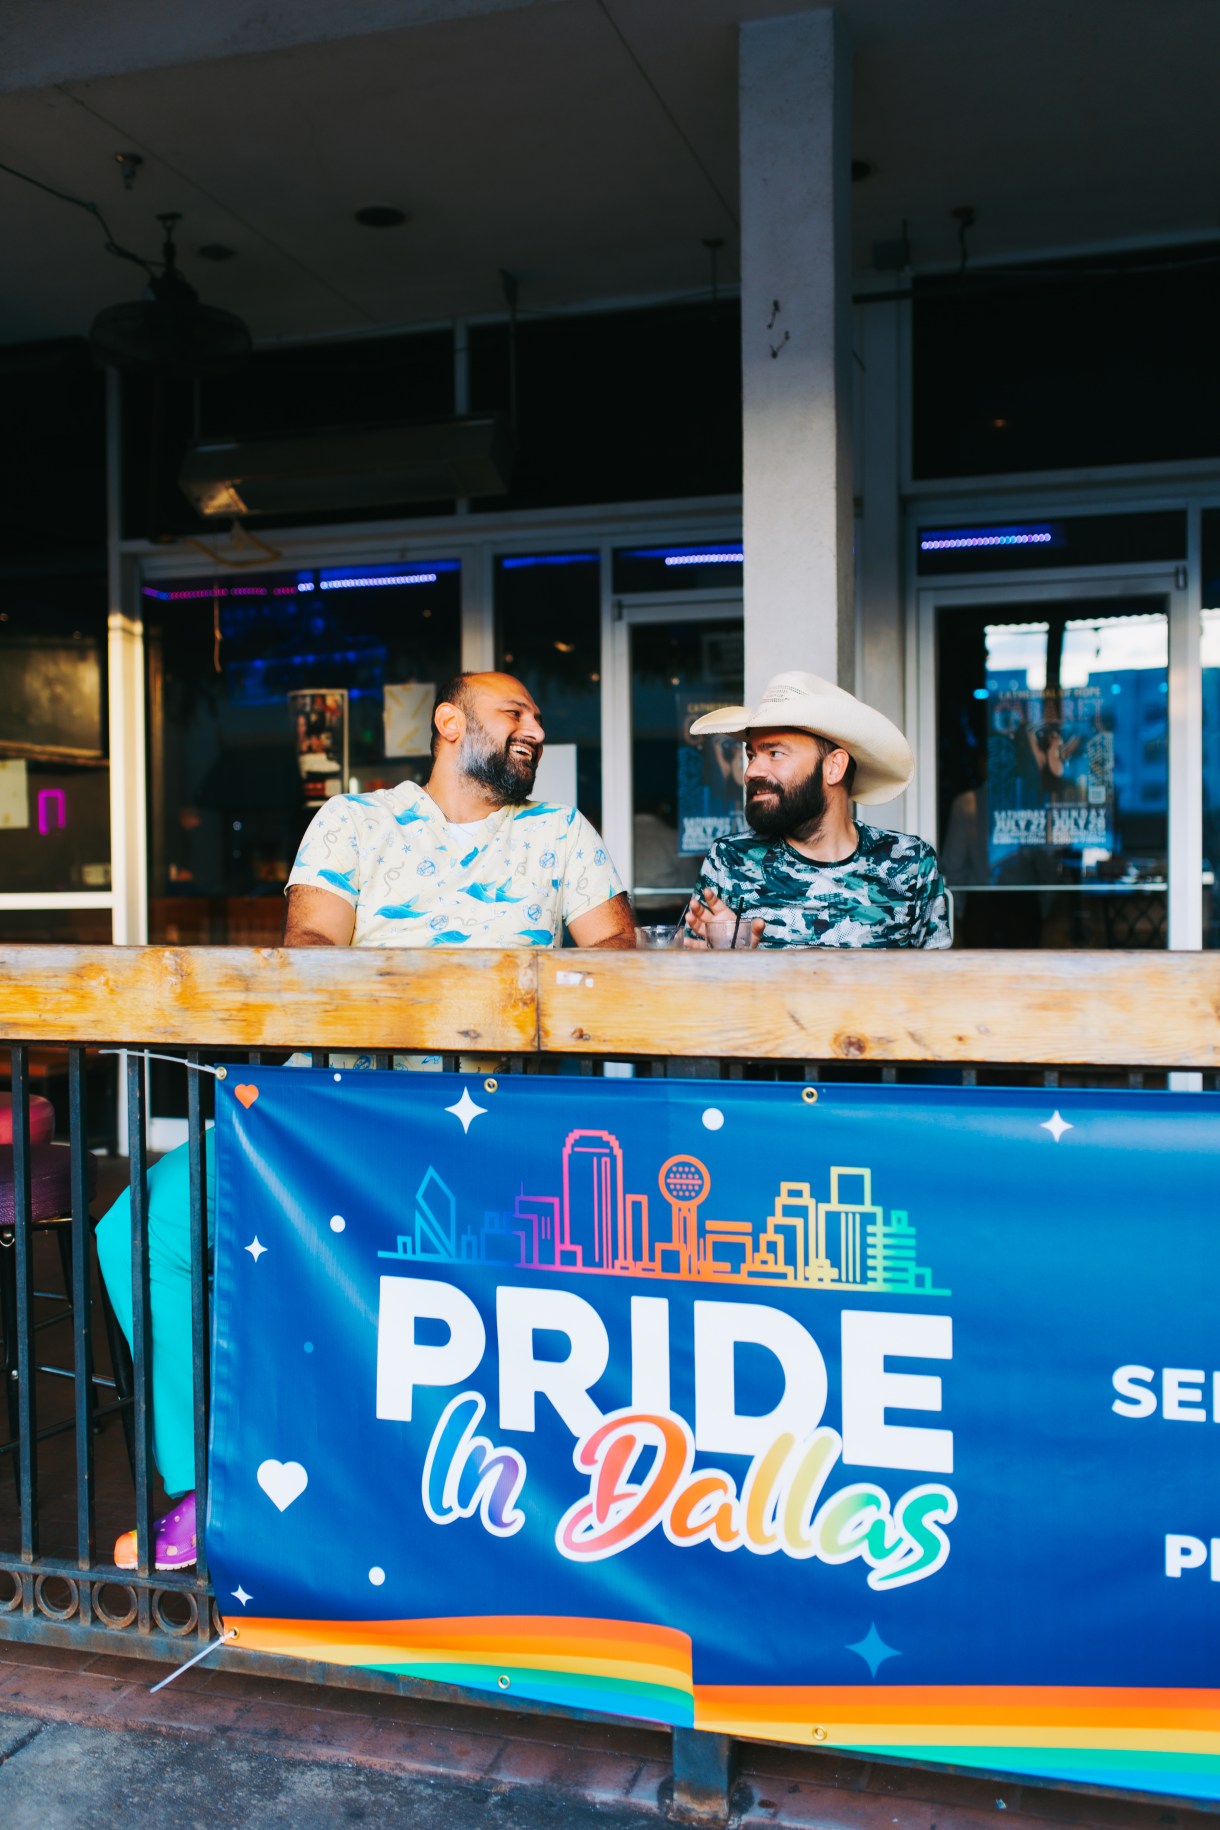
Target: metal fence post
[704, 1769]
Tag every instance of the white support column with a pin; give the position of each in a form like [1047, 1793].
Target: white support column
[795, 98]
[478, 610]
[125, 656]
[881, 627]
[881, 649]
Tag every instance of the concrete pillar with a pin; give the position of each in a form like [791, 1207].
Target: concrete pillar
[881, 619]
[795, 97]
[125, 658]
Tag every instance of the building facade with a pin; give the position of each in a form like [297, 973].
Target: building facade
[967, 466]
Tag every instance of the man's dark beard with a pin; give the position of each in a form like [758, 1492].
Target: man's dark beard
[794, 814]
[510, 780]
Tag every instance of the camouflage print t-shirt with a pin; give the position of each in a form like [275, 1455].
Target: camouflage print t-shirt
[888, 893]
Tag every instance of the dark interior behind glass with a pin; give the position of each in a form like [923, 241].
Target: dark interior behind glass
[236, 766]
[1052, 771]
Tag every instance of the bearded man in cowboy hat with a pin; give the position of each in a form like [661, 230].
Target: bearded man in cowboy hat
[816, 876]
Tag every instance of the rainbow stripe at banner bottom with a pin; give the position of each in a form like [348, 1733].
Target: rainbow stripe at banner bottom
[620, 1668]
[1160, 1741]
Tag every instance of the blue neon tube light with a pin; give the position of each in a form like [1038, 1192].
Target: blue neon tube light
[964, 539]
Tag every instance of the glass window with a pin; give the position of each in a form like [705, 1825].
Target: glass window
[1072, 540]
[548, 634]
[56, 927]
[1211, 725]
[1053, 771]
[626, 406]
[702, 566]
[1211, 776]
[1095, 362]
[686, 791]
[54, 769]
[265, 698]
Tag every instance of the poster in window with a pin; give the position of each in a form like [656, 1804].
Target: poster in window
[408, 718]
[319, 724]
[711, 795]
[14, 794]
[1050, 767]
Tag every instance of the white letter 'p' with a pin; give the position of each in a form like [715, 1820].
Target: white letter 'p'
[402, 1361]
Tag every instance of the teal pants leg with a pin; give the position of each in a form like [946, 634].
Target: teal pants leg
[169, 1280]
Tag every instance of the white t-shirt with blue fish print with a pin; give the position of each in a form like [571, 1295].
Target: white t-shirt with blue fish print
[414, 880]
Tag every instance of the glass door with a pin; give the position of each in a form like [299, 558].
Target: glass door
[673, 662]
[1051, 762]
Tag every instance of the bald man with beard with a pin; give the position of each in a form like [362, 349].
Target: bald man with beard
[467, 860]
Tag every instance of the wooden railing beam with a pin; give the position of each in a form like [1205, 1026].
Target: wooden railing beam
[1045, 1009]
[263, 997]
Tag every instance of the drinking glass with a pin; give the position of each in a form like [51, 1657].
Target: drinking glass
[654, 935]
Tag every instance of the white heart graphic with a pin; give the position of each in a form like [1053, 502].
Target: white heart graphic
[282, 1481]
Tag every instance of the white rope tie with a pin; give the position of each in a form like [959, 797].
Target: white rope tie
[229, 1633]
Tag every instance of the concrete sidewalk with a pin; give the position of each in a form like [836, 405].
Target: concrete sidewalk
[84, 1742]
[58, 1776]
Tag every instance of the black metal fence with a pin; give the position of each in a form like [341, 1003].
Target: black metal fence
[71, 1594]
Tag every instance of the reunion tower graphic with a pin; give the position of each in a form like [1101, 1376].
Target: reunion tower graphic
[684, 1181]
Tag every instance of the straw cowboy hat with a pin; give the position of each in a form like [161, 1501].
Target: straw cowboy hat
[803, 702]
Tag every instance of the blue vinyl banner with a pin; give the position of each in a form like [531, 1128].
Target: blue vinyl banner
[883, 1418]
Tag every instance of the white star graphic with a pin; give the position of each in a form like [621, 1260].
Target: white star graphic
[239, 1594]
[466, 1110]
[255, 1248]
[1056, 1126]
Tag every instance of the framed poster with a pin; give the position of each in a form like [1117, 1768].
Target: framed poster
[319, 725]
[711, 792]
[1050, 768]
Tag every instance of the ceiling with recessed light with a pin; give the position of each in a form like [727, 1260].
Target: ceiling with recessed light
[587, 146]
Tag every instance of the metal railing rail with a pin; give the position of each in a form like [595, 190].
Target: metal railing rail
[1023, 1015]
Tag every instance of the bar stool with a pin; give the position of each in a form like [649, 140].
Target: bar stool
[50, 1208]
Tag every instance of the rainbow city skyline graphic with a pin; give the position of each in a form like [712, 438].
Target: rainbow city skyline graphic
[594, 1224]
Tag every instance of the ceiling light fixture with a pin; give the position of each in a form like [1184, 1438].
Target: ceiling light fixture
[168, 331]
[129, 167]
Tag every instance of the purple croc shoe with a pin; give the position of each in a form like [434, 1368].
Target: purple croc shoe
[173, 1538]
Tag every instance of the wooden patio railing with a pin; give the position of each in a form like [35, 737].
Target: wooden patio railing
[782, 1012]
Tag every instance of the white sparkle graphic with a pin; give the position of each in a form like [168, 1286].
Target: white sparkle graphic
[239, 1594]
[337, 1223]
[376, 1576]
[1056, 1126]
[466, 1110]
[255, 1248]
[713, 1119]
